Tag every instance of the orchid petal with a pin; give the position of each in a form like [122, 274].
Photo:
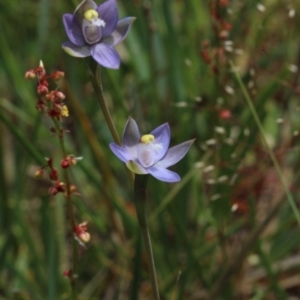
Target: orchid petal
[136, 167]
[76, 51]
[120, 152]
[175, 154]
[119, 34]
[105, 56]
[131, 137]
[163, 174]
[162, 140]
[108, 12]
[73, 30]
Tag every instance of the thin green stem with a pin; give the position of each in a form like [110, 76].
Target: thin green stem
[270, 152]
[140, 199]
[70, 209]
[96, 82]
[97, 85]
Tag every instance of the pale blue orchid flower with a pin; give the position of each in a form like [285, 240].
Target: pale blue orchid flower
[94, 31]
[150, 153]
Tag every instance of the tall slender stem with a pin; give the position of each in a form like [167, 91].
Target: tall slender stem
[96, 82]
[140, 199]
[97, 85]
[269, 150]
[70, 211]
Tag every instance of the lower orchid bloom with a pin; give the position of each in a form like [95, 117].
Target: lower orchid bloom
[150, 153]
[94, 30]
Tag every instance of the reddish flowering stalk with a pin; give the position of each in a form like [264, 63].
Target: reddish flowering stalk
[216, 56]
[51, 103]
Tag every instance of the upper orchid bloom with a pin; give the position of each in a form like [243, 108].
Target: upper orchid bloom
[94, 30]
[150, 153]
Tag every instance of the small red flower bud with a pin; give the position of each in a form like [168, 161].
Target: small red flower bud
[60, 186]
[39, 173]
[73, 160]
[82, 233]
[59, 95]
[56, 96]
[41, 70]
[69, 160]
[225, 114]
[41, 106]
[42, 89]
[67, 273]
[57, 75]
[53, 113]
[65, 163]
[73, 188]
[30, 74]
[84, 237]
[53, 175]
[50, 96]
[206, 57]
[53, 190]
[43, 81]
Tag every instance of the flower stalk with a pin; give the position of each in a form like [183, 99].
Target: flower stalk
[140, 201]
[97, 85]
[70, 210]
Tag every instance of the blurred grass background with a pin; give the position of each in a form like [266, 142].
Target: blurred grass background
[208, 232]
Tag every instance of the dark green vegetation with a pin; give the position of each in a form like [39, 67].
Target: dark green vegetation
[175, 68]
